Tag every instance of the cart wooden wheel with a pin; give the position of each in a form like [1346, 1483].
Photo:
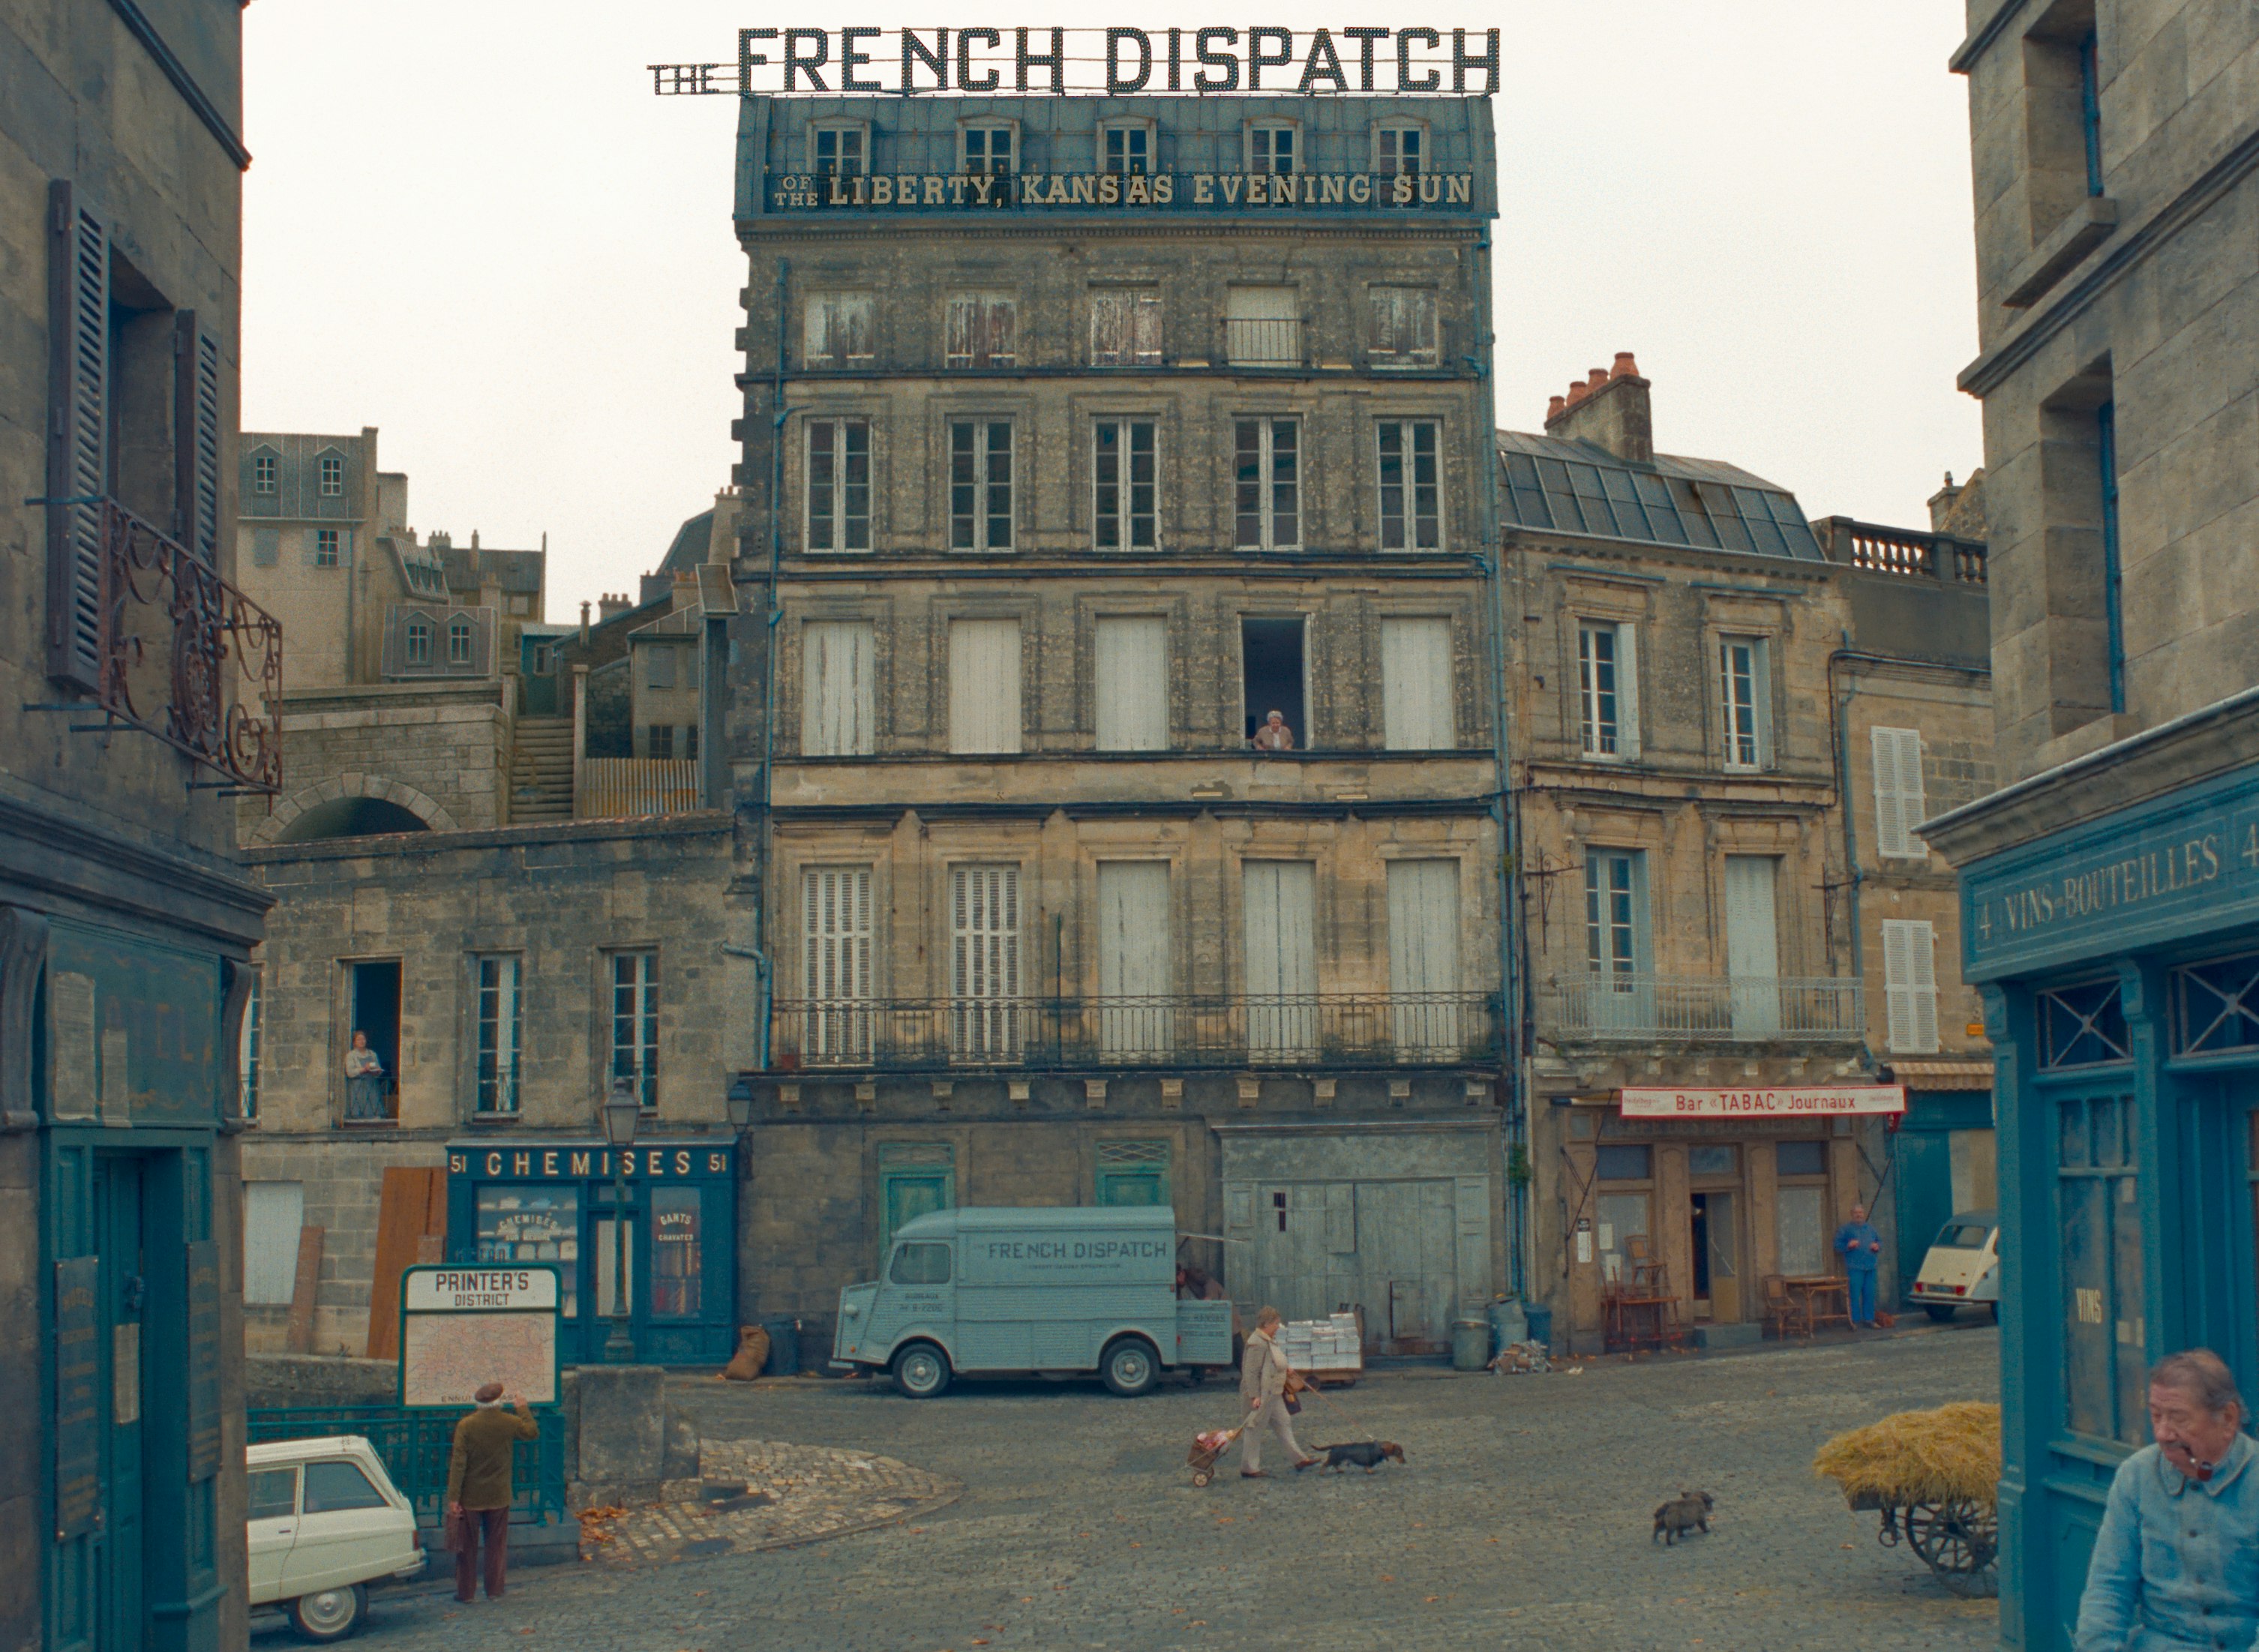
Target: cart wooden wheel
[1958, 1540]
[1202, 1477]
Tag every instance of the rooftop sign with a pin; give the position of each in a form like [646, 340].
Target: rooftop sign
[1110, 62]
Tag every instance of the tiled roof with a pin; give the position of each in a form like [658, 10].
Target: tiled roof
[1567, 486]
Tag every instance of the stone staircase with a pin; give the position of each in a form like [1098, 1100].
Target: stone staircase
[541, 771]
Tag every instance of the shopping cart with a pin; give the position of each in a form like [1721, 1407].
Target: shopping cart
[1207, 1447]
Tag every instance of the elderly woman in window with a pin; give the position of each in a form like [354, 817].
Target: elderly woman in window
[2176, 1562]
[364, 1080]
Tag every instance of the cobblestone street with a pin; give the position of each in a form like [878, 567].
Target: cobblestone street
[1523, 1520]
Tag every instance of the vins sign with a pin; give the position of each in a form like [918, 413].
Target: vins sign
[1112, 62]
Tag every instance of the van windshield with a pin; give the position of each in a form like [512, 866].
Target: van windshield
[920, 1264]
[1964, 1236]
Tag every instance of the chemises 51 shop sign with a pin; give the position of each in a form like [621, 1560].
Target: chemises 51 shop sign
[659, 1162]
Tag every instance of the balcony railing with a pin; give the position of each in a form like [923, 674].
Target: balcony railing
[1703, 1008]
[1902, 552]
[616, 788]
[1358, 1029]
[1263, 342]
[173, 636]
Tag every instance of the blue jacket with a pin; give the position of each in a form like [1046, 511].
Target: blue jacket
[2176, 1562]
[1851, 1241]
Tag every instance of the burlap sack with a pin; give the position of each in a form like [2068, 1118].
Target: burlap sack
[752, 1354]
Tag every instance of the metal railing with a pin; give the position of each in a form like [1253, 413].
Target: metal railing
[1374, 1029]
[173, 636]
[615, 788]
[415, 1447]
[1263, 342]
[1902, 552]
[1707, 1009]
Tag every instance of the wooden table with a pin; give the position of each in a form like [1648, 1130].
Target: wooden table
[1815, 1301]
[1625, 1313]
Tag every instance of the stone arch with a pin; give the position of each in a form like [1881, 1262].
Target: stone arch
[344, 788]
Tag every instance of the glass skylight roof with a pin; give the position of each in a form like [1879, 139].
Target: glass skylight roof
[1575, 487]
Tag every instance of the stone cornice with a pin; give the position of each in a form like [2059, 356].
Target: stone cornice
[409, 845]
[59, 851]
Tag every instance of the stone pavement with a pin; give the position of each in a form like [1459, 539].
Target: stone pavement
[796, 1494]
[1523, 1520]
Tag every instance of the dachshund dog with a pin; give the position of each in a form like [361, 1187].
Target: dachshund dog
[1687, 1513]
[1367, 1454]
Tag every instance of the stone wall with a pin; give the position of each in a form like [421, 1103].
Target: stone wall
[441, 752]
[342, 1178]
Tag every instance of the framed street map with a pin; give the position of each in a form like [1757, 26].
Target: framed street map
[462, 1328]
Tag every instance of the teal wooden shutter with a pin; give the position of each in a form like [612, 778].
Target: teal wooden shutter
[195, 439]
[78, 430]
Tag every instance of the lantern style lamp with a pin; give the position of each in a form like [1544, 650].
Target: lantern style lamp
[622, 1110]
[741, 1103]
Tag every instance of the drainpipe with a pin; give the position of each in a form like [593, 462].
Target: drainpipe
[763, 963]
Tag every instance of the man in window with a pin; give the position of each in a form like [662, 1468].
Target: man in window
[1274, 735]
[2176, 1562]
[479, 1489]
[1861, 1247]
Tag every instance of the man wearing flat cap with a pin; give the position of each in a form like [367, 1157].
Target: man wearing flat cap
[479, 1489]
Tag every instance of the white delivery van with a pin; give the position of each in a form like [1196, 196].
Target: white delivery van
[325, 1522]
[1963, 1266]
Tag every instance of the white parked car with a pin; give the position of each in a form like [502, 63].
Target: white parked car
[325, 1522]
[1964, 1265]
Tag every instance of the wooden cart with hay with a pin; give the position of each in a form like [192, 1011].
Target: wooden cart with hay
[1935, 1478]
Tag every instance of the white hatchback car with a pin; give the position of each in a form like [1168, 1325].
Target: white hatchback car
[325, 1520]
[1963, 1266]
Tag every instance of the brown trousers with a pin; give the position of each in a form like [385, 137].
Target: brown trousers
[493, 1524]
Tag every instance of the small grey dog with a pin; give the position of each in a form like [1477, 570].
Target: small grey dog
[1687, 1513]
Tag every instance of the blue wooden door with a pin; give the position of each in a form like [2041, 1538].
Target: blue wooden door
[120, 1300]
[1925, 1196]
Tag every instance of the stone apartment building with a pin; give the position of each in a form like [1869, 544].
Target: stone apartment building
[2110, 886]
[1700, 685]
[1062, 496]
[124, 927]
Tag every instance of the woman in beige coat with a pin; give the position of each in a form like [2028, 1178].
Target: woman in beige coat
[1263, 1373]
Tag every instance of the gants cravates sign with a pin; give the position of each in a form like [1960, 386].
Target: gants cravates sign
[1115, 62]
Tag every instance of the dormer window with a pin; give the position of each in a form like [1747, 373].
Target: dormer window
[459, 640]
[262, 473]
[1272, 146]
[1399, 149]
[332, 475]
[1125, 147]
[841, 149]
[419, 641]
[988, 147]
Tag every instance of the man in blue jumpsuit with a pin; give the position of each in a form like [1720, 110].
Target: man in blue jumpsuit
[1861, 1247]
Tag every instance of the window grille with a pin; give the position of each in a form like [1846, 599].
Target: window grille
[2216, 1006]
[2082, 1026]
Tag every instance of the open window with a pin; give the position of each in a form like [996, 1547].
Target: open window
[373, 1010]
[1274, 677]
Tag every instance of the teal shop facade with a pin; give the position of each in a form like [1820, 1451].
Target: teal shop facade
[2118, 954]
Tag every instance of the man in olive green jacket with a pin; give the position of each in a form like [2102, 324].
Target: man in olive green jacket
[478, 1488]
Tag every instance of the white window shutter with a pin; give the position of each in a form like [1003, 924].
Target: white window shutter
[984, 686]
[1628, 690]
[1901, 945]
[837, 699]
[1130, 683]
[1417, 714]
[1898, 792]
[1921, 949]
[1910, 789]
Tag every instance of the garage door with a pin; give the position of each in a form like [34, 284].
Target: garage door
[1397, 1249]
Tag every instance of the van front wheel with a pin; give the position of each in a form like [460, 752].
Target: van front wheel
[921, 1370]
[1129, 1367]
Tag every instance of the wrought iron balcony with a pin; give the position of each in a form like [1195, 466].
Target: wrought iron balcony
[1263, 341]
[1331, 1029]
[1627, 1008]
[171, 633]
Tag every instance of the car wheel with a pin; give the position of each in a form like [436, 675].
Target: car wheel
[329, 1614]
[1940, 1312]
[921, 1370]
[1128, 1367]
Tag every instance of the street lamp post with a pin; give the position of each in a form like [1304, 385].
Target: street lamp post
[622, 1111]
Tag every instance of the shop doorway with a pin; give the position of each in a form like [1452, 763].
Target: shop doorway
[121, 1307]
[1716, 1254]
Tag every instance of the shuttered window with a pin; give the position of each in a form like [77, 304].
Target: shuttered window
[1898, 807]
[274, 1215]
[196, 439]
[1122, 478]
[78, 434]
[980, 485]
[835, 961]
[1411, 485]
[1280, 902]
[1133, 958]
[838, 485]
[835, 329]
[1125, 327]
[1753, 944]
[984, 961]
[984, 685]
[1910, 985]
[1267, 460]
[1608, 689]
[1130, 684]
[838, 709]
[984, 330]
[1400, 326]
[1417, 709]
[1423, 959]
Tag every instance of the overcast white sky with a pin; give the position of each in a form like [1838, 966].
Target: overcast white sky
[470, 224]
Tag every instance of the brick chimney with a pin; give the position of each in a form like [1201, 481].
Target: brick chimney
[611, 606]
[1609, 407]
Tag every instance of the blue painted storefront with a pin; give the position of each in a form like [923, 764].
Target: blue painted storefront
[2120, 963]
[552, 1201]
